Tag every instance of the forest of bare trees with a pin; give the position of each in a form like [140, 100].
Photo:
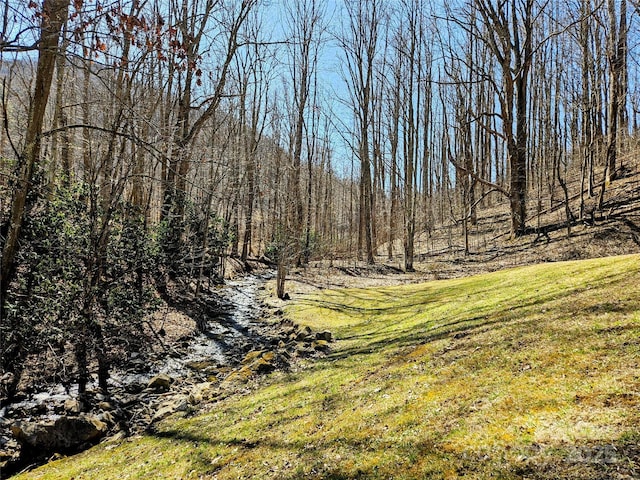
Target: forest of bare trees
[143, 141]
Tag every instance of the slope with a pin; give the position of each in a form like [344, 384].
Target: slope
[529, 372]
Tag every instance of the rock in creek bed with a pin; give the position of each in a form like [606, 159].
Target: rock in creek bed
[235, 346]
[62, 435]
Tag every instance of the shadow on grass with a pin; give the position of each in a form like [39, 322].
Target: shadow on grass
[618, 457]
[403, 323]
[312, 459]
[342, 301]
[313, 454]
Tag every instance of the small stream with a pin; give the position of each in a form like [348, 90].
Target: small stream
[237, 328]
[230, 333]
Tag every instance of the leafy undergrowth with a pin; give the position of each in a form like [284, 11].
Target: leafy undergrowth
[531, 372]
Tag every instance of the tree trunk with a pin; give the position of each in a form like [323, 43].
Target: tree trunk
[617, 63]
[53, 18]
[281, 276]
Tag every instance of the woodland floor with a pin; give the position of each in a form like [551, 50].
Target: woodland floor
[440, 255]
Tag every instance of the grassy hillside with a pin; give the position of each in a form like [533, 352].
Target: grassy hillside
[531, 372]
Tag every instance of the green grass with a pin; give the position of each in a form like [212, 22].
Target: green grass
[526, 372]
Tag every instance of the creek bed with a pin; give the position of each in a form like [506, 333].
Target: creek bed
[228, 335]
[234, 329]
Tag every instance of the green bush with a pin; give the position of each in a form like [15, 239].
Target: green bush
[72, 290]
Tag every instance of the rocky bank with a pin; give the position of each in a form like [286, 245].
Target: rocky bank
[242, 339]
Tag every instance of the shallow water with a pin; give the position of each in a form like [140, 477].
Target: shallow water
[228, 335]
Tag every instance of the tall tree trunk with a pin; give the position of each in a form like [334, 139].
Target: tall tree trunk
[617, 53]
[60, 120]
[360, 48]
[54, 15]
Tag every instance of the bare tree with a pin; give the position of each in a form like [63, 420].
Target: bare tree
[306, 28]
[53, 17]
[359, 43]
[253, 77]
[616, 107]
[508, 33]
[191, 27]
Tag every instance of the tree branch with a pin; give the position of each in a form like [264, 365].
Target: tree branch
[477, 177]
